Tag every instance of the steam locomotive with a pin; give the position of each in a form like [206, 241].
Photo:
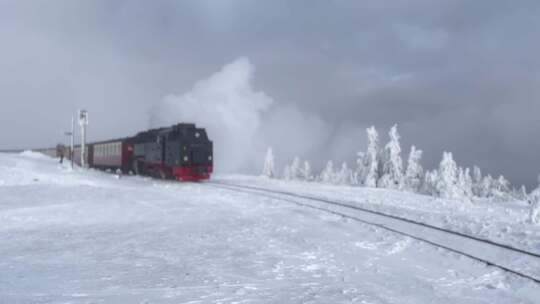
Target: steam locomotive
[182, 152]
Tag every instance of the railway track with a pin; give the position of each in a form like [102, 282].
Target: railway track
[519, 262]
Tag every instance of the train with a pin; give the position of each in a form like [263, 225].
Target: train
[182, 152]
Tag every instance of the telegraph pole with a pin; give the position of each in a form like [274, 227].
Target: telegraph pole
[72, 135]
[83, 122]
[72, 139]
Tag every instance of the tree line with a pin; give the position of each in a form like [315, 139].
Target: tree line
[383, 167]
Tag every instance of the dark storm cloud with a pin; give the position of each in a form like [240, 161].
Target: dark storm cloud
[455, 75]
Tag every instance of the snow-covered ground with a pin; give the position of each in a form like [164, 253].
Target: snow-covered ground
[503, 222]
[84, 236]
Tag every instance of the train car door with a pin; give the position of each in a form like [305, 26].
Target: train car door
[161, 143]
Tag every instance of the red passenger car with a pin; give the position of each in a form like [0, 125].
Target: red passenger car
[113, 154]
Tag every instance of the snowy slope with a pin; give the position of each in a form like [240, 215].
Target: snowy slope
[84, 236]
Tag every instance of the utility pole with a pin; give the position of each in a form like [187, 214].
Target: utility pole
[72, 139]
[83, 122]
[72, 143]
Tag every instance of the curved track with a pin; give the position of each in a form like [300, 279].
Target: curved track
[502, 256]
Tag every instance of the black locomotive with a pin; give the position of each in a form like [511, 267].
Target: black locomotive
[182, 151]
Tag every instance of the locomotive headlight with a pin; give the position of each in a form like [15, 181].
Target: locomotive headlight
[185, 158]
[210, 157]
[197, 134]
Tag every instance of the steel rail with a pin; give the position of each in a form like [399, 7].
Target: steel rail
[269, 192]
[399, 218]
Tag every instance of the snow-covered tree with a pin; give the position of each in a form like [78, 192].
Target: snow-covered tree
[296, 170]
[359, 175]
[268, 169]
[447, 184]
[520, 194]
[414, 173]
[465, 184]
[328, 174]
[372, 158]
[500, 190]
[495, 189]
[477, 175]
[345, 175]
[306, 171]
[392, 175]
[534, 200]
[477, 181]
[485, 187]
[429, 186]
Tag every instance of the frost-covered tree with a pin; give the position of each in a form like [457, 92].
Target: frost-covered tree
[485, 187]
[345, 175]
[328, 174]
[372, 158]
[477, 181]
[534, 201]
[495, 189]
[306, 171]
[477, 174]
[465, 184]
[392, 175]
[447, 184]
[268, 169]
[500, 190]
[520, 194]
[429, 186]
[414, 173]
[296, 170]
[359, 175]
[468, 184]
[503, 185]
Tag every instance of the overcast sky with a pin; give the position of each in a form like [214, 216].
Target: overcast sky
[461, 76]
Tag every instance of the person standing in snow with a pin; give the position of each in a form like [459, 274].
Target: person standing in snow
[60, 152]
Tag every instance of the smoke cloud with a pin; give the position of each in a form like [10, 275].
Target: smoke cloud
[243, 122]
[226, 105]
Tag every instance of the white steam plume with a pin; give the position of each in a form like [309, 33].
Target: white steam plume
[227, 106]
[244, 122]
